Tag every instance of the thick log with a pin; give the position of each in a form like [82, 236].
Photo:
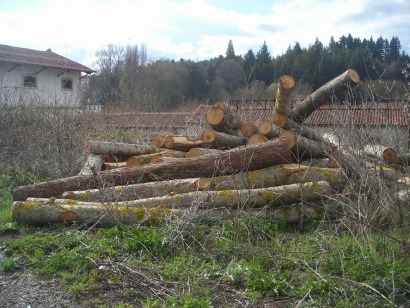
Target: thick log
[222, 141]
[117, 148]
[257, 138]
[381, 152]
[195, 152]
[284, 122]
[182, 143]
[92, 165]
[148, 158]
[403, 159]
[49, 211]
[303, 148]
[248, 129]
[285, 174]
[269, 130]
[111, 166]
[270, 153]
[158, 141]
[283, 103]
[323, 94]
[138, 191]
[223, 119]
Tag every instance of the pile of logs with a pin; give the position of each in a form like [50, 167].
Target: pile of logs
[277, 166]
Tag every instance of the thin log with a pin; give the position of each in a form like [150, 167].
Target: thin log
[381, 152]
[270, 153]
[223, 119]
[248, 129]
[323, 94]
[222, 141]
[195, 152]
[257, 138]
[284, 122]
[182, 143]
[283, 101]
[45, 212]
[269, 130]
[138, 191]
[117, 148]
[92, 165]
[158, 141]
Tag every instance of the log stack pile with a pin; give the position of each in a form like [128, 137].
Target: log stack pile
[279, 166]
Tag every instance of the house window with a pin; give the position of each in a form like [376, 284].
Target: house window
[67, 83]
[30, 81]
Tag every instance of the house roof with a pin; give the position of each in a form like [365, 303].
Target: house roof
[385, 114]
[49, 59]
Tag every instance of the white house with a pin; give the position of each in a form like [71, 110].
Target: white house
[30, 76]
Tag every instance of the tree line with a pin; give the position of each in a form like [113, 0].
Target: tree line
[126, 77]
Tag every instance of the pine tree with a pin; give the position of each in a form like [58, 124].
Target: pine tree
[264, 65]
[230, 52]
[249, 65]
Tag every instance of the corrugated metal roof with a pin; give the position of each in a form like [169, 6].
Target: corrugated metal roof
[385, 114]
[49, 59]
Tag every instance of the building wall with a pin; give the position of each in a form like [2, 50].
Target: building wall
[396, 137]
[48, 89]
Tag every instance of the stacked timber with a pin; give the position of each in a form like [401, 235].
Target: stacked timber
[277, 166]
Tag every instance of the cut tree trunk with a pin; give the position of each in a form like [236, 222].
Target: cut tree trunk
[117, 149]
[285, 174]
[223, 119]
[283, 103]
[248, 129]
[45, 212]
[222, 141]
[195, 152]
[284, 122]
[92, 165]
[257, 138]
[147, 159]
[182, 143]
[303, 148]
[269, 130]
[138, 191]
[323, 94]
[381, 152]
[158, 141]
[270, 153]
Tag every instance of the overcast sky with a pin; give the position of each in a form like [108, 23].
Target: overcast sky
[195, 29]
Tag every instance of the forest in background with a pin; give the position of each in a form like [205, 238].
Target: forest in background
[127, 78]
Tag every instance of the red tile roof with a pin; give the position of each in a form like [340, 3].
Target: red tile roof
[49, 59]
[385, 114]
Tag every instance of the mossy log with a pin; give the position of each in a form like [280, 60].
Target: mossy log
[248, 129]
[223, 119]
[92, 165]
[222, 141]
[49, 211]
[319, 97]
[284, 122]
[257, 138]
[117, 148]
[138, 191]
[283, 103]
[381, 152]
[284, 174]
[269, 130]
[195, 152]
[252, 157]
[182, 143]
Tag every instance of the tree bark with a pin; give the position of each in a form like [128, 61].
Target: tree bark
[321, 95]
[117, 149]
[248, 129]
[111, 166]
[195, 152]
[223, 119]
[45, 212]
[182, 143]
[269, 130]
[139, 160]
[257, 138]
[138, 191]
[222, 141]
[284, 122]
[92, 165]
[403, 159]
[303, 148]
[284, 174]
[283, 103]
[270, 153]
[381, 152]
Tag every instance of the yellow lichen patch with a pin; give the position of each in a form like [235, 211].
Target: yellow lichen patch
[268, 196]
[71, 202]
[319, 211]
[86, 196]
